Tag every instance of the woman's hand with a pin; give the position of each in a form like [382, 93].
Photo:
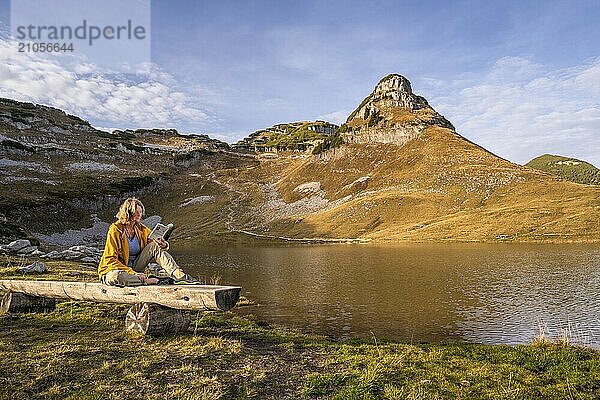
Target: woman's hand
[142, 276]
[146, 280]
[162, 243]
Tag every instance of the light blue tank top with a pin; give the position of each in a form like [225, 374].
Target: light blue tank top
[134, 249]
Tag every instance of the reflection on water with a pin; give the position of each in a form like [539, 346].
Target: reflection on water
[420, 292]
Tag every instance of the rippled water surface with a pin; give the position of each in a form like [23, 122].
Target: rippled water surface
[473, 292]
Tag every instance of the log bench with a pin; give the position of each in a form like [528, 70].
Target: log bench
[156, 309]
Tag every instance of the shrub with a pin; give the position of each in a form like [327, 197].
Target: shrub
[329, 142]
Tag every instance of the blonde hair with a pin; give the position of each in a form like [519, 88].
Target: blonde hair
[128, 208]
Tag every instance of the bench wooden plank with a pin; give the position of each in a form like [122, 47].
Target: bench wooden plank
[182, 297]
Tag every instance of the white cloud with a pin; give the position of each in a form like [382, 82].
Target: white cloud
[275, 102]
[228, 137]
[336, 117]
[105, 128]
[520, 110]
[146, 99]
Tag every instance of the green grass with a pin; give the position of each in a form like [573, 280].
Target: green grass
[296, 137]
[81, 351]
[329, 142]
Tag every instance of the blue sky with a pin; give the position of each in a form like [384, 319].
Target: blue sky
[521, 78]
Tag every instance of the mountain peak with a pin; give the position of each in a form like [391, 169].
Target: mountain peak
[393, 90]
[398, 90]
[392, 113]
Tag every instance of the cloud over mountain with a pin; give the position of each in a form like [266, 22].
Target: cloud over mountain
[517, 104]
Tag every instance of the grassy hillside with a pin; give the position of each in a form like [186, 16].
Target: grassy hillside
[567, 168]
[436, 187]
[57, 169]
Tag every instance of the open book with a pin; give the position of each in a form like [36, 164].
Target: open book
[161, 231]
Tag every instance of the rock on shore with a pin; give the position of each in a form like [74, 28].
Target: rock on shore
[24, 247]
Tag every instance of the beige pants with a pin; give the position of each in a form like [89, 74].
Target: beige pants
[151, 253]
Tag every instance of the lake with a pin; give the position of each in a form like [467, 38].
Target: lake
[485, 293]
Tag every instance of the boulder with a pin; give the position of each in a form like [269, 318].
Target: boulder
[71, 255]
[37, 267]
[88, 251]
[53, 255]
[17, 245]
[26, 250]
[76, 253]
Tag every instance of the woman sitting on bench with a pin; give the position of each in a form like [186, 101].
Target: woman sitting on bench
[128, 252]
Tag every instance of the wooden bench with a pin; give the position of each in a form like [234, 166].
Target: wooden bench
[156, 308]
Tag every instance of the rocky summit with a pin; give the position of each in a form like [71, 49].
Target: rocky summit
[392, 113]
[396, 171]
[392, 91]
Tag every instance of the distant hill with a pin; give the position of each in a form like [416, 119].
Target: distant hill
[405, 174]
[571, 169]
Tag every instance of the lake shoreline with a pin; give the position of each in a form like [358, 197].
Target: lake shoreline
[248, 237]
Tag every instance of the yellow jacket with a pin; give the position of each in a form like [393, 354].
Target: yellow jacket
[116, 250]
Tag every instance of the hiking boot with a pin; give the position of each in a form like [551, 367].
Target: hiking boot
[163, 280]
[186, 279]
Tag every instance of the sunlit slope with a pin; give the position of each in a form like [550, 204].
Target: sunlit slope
[437, 186]
[220, 194]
